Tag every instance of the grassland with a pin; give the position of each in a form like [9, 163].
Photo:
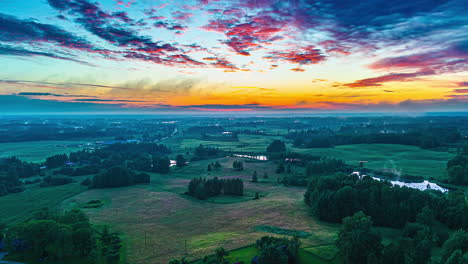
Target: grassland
[38, 151]
[406, 159]
[19, 207]
[161, 223]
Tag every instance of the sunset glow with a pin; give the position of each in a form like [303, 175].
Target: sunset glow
[233, 55]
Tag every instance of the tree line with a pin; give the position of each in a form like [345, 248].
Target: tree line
[331, 198]
[201, 188]
[424, 138]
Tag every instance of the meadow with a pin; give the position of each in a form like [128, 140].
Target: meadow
[38, 151]
[402, 158]
[159, 222]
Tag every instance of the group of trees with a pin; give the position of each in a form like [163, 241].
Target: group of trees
[332, 198]
[359, 243]
[201, 188]
[205, 152]
[11, 171]
[275, 250]
[276, 146]
[457, 169]
[117, 177]
[238, 165]
[325, 165]
[214, 166]
[430, 137]
[230, 137]
[52, 236]
[79, 171]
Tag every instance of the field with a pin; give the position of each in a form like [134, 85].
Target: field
[19, 207]
[38, 151]
[405, 159]
[160, 223]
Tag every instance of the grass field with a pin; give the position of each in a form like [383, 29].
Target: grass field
[19, 207]
[38, 151]
[158, 221]
[246, 143]
[406, 159]
[306, 256]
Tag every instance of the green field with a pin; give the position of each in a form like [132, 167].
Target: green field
[19, 207]
[306, 255]
[406, 159]
[158, 221]
[38, 151]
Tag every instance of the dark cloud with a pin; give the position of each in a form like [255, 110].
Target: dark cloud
[17, 30]
[463, 84]
[106, 26]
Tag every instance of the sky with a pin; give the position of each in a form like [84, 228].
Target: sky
[233, 56]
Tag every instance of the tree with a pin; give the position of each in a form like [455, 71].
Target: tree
[356, 239]
[209, 167]
[426, 216]
[276, 146]
[272, 254]
[265, 175]
[220, 253]
[110, 246]
[456, 174]
[238, 165]
[180, 161]
[280, 169]
[257, 196]
[255, 177]
[457, 241]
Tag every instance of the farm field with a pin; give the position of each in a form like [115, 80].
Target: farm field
[405, 159]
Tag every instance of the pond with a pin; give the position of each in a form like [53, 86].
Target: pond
[256, 157]
[424, 185]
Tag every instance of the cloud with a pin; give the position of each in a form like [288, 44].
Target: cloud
[10, 51]
[393, 77]
[107, 100]
[54, 85]
[303, 55]
[247, 35]
[220, 107]
[17, 30]
[451, 59]
[105, 26]
[51, 94]
[460, 91]
[463, 84]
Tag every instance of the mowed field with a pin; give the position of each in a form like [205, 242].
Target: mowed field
[160, 223]
[405, 159]
[38, 151]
